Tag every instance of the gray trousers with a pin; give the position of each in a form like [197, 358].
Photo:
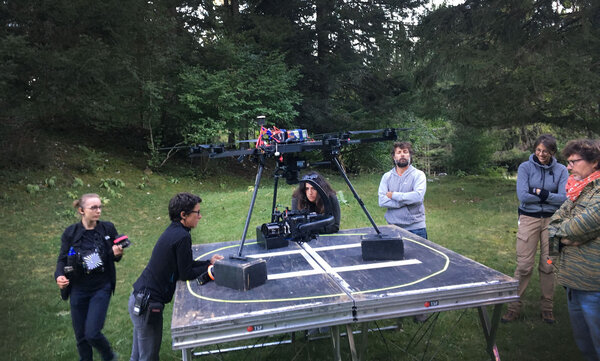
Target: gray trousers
[146, 337]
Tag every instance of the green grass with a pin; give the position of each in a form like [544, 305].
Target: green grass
[475, 217]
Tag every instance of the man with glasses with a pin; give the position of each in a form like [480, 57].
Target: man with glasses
[171, 261]
[541, 190]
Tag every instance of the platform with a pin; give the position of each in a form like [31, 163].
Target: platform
[326, 283]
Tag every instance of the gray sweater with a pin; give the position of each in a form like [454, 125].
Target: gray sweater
[406, 208]
[550, 178]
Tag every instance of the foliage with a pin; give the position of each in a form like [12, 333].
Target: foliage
[472, 150]
[91, 160]
[498, 63]
[229, 97]
[77, 182]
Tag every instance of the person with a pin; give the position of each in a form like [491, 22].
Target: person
[541, 190]
[87, 246]
[171, 260]
[574, 232]
[306, 197]
[402, 191]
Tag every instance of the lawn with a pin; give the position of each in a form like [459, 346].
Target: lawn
[473, 216]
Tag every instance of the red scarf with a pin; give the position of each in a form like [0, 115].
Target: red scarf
[574, 187]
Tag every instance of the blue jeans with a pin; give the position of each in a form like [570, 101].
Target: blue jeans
[88, 312]
[146, 337]
[421, 232]
[584, 312]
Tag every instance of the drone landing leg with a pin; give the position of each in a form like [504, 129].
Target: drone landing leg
[261, 166]
[339, 167]
[375, 246]
[238, 272]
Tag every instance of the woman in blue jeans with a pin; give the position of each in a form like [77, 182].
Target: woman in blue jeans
[574, 233]
[85, 271]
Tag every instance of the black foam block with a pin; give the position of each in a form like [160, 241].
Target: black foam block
[382, 248]
[270, 242]
[240, 274]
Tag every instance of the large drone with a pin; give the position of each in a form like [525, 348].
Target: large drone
[286, 147]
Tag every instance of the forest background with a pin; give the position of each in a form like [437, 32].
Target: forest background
[92, 92]
[476, 82]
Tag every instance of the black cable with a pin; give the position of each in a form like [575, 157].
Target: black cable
[383, 338]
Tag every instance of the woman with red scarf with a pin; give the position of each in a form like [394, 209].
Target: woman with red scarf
[574, 232]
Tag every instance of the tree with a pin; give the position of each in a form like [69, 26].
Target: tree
[227, 99]
[511, 63]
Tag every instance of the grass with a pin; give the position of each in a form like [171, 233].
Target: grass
[473, 216]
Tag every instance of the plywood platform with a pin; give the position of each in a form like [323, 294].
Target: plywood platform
[325, 282]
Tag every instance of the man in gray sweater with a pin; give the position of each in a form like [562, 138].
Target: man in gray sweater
[402, 190]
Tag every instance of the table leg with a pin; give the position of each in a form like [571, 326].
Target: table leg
[490, 328]
[186, 354]
[335, 338]
[351, 342]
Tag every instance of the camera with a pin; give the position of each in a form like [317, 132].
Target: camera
[122, 240]
[296, 226]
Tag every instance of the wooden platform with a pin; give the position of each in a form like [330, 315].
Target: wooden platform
[325, 282]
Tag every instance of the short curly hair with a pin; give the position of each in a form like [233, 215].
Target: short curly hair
[587, 149]
[182, 202]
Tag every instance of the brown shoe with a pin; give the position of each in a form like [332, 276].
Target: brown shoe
[548, 317]
[509, 316]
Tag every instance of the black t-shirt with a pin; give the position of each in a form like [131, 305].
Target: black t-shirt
[92, 247]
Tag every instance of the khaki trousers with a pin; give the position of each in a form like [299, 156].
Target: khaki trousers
[533, 231]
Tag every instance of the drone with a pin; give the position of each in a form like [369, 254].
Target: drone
[286, 147]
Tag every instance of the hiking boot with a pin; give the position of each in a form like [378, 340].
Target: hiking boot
[548, 317]
[509, 316]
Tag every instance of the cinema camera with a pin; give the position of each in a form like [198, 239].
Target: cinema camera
[295, 226]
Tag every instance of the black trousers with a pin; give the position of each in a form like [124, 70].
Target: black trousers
[88, 312]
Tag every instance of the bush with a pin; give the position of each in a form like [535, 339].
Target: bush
[472, 150]
[510, 159]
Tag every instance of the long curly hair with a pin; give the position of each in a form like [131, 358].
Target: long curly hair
[300, 193]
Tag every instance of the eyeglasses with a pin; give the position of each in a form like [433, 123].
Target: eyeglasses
[95, 208]
[572, 162]
[542, 151]
[197, 212]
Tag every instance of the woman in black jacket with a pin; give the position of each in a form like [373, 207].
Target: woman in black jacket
[85, 271]
[306, 197]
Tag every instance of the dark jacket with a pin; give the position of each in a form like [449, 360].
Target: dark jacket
[335, 209]
[171, 261]
[72, 236]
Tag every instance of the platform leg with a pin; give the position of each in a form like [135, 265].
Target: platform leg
[351, 343]
[364, 338]
[186, 354]
[335, 338]
[490, 328]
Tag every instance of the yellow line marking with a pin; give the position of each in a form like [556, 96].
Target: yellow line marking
[322, 296]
